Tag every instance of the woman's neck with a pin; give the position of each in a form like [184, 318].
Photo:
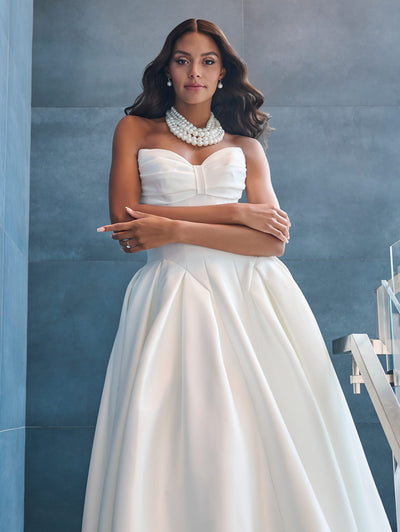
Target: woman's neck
[198, 115]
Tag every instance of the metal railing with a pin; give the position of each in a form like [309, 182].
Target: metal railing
[368, 370]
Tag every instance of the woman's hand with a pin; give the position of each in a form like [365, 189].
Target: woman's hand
[265, 218]
[145, 231]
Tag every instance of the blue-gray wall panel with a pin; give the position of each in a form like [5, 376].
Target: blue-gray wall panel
[3, 114]
[102, 64]
[13, 370]
[75, 309]
[337, 173]
[1, 296]
[4, 17]
[17, 164]
[324, 53]
[15, 123]
[58, 461]
[12, 466]
[71, 156]
[15, 101]
[21, 14]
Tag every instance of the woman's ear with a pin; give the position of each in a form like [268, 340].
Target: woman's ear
[222, 74]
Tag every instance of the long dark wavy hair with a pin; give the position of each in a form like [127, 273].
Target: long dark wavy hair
[237, 105]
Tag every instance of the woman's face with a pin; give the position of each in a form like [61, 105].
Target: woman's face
[195, 68]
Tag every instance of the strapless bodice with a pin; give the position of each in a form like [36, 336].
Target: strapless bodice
[167, 178]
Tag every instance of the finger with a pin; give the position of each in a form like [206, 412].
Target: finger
[283, 219]
[128, 246]
[114, 227]
[122, 235]
[282, 212]
[283, 238]
[128, 250]
[280, 235]
[283, 228]
[284, 215]
[276, 222]
[132, 249]
[127, 242]
[282, 224]
[137, 214]
[130, 212]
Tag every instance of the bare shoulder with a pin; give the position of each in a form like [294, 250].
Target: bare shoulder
[254, 153]
[258, 177]
[252, 148]
[131, 126]
[131, 132]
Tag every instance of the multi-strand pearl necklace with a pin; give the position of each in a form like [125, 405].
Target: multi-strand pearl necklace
[184, 130]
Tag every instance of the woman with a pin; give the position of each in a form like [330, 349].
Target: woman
[221, 411]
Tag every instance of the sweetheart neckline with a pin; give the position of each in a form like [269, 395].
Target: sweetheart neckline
[184, 158]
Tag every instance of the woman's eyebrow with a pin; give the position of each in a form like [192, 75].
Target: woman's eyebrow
[187, 53]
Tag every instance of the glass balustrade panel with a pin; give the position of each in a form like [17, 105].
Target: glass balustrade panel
[394, 311]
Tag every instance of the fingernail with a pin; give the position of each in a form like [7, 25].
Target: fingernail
[100, 230]
[129, 209]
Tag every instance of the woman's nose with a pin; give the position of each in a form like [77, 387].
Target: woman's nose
[194, 71]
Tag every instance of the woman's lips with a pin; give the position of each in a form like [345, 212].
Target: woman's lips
[194, 87]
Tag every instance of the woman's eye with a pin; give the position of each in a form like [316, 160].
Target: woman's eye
[209, 62]
[181, 61]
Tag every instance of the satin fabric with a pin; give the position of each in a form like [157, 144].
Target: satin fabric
[221, 411]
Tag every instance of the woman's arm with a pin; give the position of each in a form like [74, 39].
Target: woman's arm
[148, 231]
[124, 183]
[231, 238]
[263, 217]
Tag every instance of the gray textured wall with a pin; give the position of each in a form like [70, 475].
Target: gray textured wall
[330, 76]
[15, 119]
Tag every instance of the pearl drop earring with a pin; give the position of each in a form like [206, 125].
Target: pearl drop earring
[220, 84]
[169, 82]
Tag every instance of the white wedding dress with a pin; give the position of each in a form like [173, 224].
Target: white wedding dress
[221, 411]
